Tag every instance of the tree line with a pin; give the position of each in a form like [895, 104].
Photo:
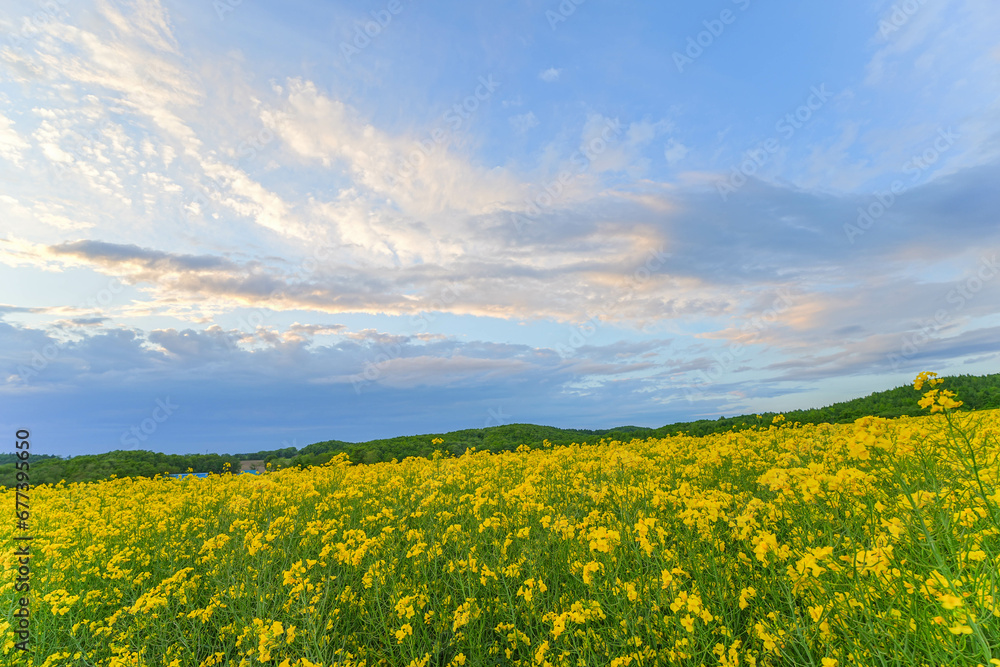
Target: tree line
[976, 392]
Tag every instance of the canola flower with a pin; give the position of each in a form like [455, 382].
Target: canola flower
[872, 543]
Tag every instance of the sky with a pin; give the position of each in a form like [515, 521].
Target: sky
[237, 225]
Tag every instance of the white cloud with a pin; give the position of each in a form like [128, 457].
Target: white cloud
[644, 131]
[551, 74]
[675, 151]
[394, 237]
[11, 143]
[421, 178]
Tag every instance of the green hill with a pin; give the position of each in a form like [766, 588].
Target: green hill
[977, 393]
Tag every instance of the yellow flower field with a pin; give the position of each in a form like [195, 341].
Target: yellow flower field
[873, 543]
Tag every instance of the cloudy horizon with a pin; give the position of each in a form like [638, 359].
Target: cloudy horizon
[237, 226]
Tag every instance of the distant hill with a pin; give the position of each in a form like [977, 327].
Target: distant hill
[977, 393]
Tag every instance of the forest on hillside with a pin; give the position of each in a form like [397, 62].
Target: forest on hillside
[977, 393]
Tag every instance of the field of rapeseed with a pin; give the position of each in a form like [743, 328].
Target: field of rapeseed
[873, 543]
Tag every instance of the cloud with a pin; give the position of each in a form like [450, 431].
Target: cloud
[306, 332]
[597, 257]
[523, 122]
[550, 75]
[623, 350]
[114, 256]
[12, 144]
[88, 321]
[4, 309]
[675, 151]
[158, 164]
[368, 357]
[420, 178]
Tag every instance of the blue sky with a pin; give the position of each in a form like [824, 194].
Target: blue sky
[235, 226]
